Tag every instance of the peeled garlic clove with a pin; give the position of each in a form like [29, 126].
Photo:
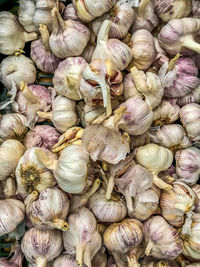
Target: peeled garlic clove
[171, 136]
[66, 260]
[173, 9]
[193, 97]
[143, 49]
[190, 118]
[70, 13]
[82, 238]
[17, 68]
[31, 174]
[15, 261]
[41, 246]
[188, 165]
[138, 117]
[113, 210]
[64, 32]
[26, 13]
[162, 239]
[63, 114]
[67, 77]
[196, 189]
[177, 36]
[11, 214]
[176, 202]
[44, 136]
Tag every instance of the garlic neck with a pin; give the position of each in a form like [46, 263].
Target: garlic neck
[60, 224]
[45, 36]
[93, 189]
[132, 261]
[29, 200]
[45, 160]
[160, 183]
[30, 36]
[149, 248]
[142, 7]
[113, 120]
[30, 97]
[79, 254]
[57, 21]
[45, 115]
[110, 187]
[41, 262]
[189, 42]
[172, 62]
[104, 32]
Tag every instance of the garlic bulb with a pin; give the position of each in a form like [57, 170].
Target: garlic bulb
[139, 140]
[130, 88]
[138, 117]
[143, 49]
[176, 202]
[193, 97]
[82, 238]
[41, 246]
[44, 136]
[15, 261]
[12, 35]
[187, 165]
[173, 9]
[190, 118]
[195, 9]
[63, 114]
[196, 189]
[50, 210]
[11, 214]
[26, 13]
[171, 136]
[156, 159]
[10, 152]
[100, 259]
[31, 174]
[12, 126]
[113, 49]
[65, 260]
[17, 69]
[67, 77]
[113, 210]
[41, 53]
[71, 175]
[70, 13]
[162, 239]
[177, 36]
[161, 56]
[68, 38]
[165, 113]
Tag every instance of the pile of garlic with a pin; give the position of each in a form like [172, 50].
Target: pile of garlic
[101, 168]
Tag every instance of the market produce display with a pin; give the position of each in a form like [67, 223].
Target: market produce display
[100, 158]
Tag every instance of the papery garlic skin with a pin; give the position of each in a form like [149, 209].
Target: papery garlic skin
[88, 52]
[152, 262]
[31, 175]
[163, 241]
[10, 152]
[190, 118]
[193, 97]
[138, 117]
[195, 9]
[187, 165]
[41, 246]
[12, 214]
[113, 210]
[65, 260]
[100, 259]
[12, 35]
[17, 69]
[70, 13]
[130, 88]
[12, 126]
[139, 140]
[196, 189]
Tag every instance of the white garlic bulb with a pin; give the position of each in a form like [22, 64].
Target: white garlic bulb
[11, 214]
[65, 260]
[41, 246]
[31, 174]
[63, 114]
[50, 210]
[82, 238]
[17, 69]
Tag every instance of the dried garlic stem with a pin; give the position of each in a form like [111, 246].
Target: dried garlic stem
[45, 115]
[188, 42]
[60, 224]
[79, 254]
[43, 158]
[41, 262]
[172, 62]
[129, 202]
[110, 187]
[148, 248]
[142, 7]
[93, 189]
[160, 183]
[45, 36]
[101, 228]
[30, 97]
[57, 21]
[132, 261]
[87, 257]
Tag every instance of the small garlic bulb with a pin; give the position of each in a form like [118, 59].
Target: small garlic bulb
[82, 239]
[171, 136]
[11, 214]
[31, 174]
[15, 261]
[10, 152]
[196, 189]
[190, 118]
[63, 114]
[70, 13]
[50, 210]
[66, 79]
[162, 239]
[65, 260]
[176, 202]
[113, 210]
[68, 38]
[41, 246]
[188, 165]
[165, 113]
[17, 69]
[156, 159]
[12, 126]
[143, 49]
[12, 35]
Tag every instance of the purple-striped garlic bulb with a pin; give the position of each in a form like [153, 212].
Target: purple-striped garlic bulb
[41, 246]
[188, 165]
[68, 38]
[41, 53]
[195, 9]
[172, 9]
[196, 189]
[178, 36]
[162, 239]
[70, 13]
[15, 261]
[143, 49]
[44, 136]
[190, 118]
[82, 238]
[193, 97]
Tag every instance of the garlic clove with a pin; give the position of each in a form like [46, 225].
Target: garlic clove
[82, 12]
